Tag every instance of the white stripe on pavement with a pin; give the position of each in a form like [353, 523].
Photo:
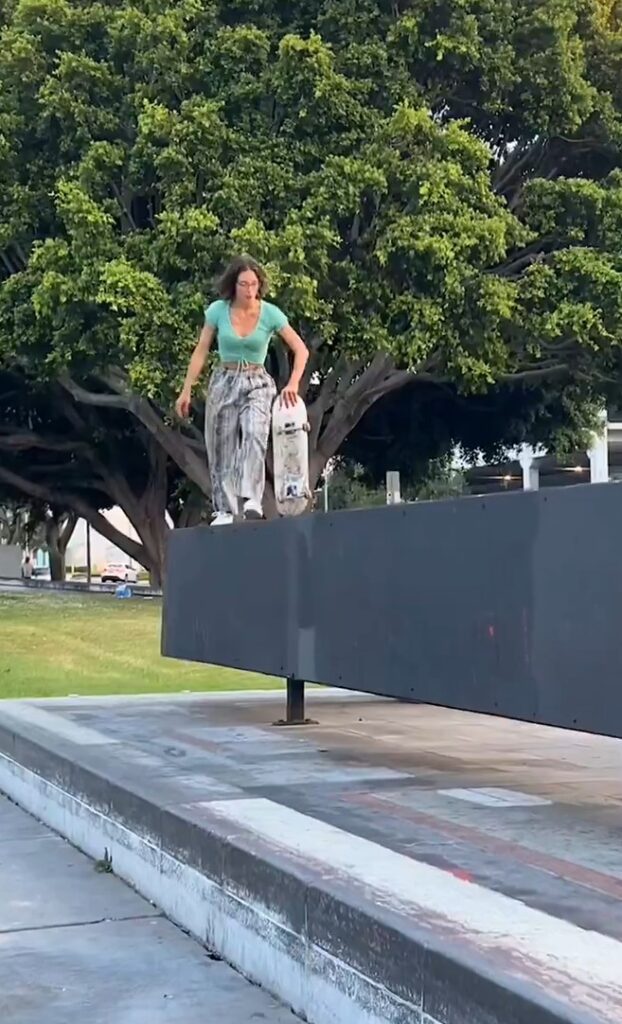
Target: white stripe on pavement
[28, 714]
[578, 966]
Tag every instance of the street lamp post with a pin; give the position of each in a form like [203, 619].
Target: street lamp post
[88, 553]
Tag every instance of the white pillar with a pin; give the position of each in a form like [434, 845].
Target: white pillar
[598, 454]
[531, 473]
[394, 496]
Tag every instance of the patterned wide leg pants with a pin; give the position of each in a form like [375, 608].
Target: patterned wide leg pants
[237, 425]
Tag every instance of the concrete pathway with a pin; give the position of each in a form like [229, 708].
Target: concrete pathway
[77, 944]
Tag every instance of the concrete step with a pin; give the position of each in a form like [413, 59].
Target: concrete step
[356, 870]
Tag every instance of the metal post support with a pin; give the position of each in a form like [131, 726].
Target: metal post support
[295, 704]
[394, 496]
[531, 473]
[598, 454]
[88, 554]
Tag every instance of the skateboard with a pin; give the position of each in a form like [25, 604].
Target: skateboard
[290, 449]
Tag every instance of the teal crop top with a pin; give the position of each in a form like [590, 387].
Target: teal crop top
[254, 347]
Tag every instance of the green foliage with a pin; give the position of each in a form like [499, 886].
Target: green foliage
[445, 482]
[437, 182]
[350, 485]
[348, 488]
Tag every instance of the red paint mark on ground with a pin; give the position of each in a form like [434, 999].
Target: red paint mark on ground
[556, 866]
[464, 876]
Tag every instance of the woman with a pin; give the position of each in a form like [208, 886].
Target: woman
[241, 392]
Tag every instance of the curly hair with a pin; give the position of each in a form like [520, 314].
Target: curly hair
[227, 281]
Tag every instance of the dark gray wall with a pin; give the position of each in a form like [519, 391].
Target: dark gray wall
[510, 605]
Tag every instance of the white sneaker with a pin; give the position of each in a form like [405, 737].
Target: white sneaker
[222, 519]
[252, 510]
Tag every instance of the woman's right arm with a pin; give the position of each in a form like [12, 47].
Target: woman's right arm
[195, 366]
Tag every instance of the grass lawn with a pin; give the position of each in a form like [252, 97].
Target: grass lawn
[62, 645]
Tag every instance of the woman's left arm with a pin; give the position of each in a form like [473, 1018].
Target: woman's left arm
[294, 342]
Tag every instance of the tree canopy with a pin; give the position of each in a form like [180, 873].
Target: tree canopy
[434, 187]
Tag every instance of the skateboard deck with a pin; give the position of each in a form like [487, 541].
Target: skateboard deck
[290, 448]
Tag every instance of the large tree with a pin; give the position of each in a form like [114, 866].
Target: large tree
[433, 186]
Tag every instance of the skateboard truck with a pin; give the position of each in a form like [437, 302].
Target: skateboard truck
[295, 704]
[294, 490]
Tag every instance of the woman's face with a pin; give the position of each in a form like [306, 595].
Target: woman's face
[247, 286]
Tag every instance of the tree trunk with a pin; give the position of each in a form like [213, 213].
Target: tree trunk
[145, 511]
[59, 527]
[345, 396]
[189, 511]
[317, 465]
[149, 511]
[57, 565]
[146, 506]
[152, 531]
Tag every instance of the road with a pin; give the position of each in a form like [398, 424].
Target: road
[17, 587]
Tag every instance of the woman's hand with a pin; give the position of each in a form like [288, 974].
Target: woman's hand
[183, 403]
[289, 395]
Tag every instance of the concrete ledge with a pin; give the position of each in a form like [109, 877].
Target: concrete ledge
[310, 933]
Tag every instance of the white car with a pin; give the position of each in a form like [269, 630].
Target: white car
[119, 572]
[40, 572]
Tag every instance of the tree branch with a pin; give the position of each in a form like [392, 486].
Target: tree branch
[125, 208]
[349, 409]
[508, 173]
[535, 373]
[380, 378]
[326, 397]
[146, 511]
[115, 483]
[21, 255]
[535, 252]
[195, 436]
[171, 440]
[8, 266]
[50, 495]
[24, 440]
[177, 447]
[66, 530]
[97, 398]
